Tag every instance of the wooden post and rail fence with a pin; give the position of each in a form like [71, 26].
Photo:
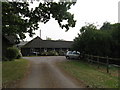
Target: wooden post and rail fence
[103, 60]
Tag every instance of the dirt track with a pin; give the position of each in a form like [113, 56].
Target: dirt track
[44, 74]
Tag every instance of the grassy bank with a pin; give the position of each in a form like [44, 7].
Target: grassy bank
[89, 75]
[13, 71]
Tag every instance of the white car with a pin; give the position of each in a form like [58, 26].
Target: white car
[73, 55]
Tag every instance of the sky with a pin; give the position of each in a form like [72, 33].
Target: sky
[85, 11]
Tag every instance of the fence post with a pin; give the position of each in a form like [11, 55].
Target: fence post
[107, 65]
[98, 61]
[91, 59]
[88, 58]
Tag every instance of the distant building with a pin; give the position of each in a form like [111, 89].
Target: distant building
[37, 45]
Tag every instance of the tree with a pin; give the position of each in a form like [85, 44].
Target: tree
[61, 40]
[48, 38]
[88, 27]
[18, 19]
[83, 42]
[116, 40]
[99, 42]
[106, 26]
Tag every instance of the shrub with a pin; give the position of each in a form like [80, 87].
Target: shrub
[44, 53]
[61, 53]
[4, 58]
[50, 53]
[12, 53]
[19, 55]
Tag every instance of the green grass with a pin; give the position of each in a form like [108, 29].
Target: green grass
[13, 71]
[89, 74]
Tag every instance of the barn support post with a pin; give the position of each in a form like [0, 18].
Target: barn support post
[88, 58]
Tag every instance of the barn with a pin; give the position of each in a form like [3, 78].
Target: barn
[37, 45]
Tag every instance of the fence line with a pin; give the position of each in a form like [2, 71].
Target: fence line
[90, 58]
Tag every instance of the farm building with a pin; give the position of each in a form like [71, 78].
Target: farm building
[37, 45]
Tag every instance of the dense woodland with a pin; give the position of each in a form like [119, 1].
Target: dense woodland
[101, 42]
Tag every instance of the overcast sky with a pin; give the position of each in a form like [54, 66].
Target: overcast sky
[85, 11]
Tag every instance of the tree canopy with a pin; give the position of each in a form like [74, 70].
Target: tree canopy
[18, 18]
[48, 38]
[102, 42]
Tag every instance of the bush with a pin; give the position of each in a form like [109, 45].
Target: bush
[4, 58]
[44, 53]
[19, 55]
[12, 53]
[49, 53]
[61, 53]
[52, 53]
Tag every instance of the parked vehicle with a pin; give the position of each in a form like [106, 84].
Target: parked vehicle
[73, 55]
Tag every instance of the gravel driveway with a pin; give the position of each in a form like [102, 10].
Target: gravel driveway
[45, 74]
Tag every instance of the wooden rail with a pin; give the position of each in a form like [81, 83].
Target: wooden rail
[91, 58]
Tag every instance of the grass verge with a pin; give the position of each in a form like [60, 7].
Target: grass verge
[89, 75]
[13, 71]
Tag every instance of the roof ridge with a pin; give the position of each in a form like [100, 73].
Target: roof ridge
[32, 40]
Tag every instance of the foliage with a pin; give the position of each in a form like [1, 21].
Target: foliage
[18, 18]
[19, 55]
[4, 58]
[44, 53]
[61, 53]
[115, 48]
[106, 26]
[48, 38]
[50, 53]
[12, 53]
[61, 40]
[99, 41]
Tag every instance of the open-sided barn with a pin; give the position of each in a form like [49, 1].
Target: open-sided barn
[37, 45]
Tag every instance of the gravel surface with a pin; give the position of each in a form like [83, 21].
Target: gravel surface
[45, 74]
